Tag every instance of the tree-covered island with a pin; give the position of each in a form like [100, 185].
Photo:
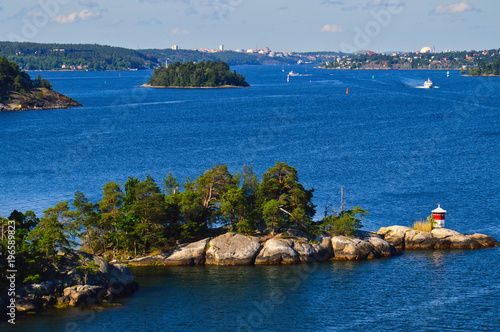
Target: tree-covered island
[19, 92]
[485, 69]
[220, 218]
[207, 74]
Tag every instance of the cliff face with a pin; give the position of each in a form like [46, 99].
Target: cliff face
[40, 98]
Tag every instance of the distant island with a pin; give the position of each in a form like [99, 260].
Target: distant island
[207, 74]
[485, 69]
[88, 57]
[18, 92]
[70, 57]
[458, 60]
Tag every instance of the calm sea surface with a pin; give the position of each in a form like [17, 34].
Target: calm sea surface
[398, 150]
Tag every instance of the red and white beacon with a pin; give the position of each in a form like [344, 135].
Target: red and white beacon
[438, 215]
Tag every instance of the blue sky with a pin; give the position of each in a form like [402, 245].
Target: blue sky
[281, 25]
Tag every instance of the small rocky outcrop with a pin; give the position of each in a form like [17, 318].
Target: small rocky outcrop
[450, 239]
[74, 286]
[40, 98]
[28, 305]
[485, 240]
[232, 249]
[440, 238]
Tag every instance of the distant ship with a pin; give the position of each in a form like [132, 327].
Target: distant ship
[428, 84]
[292, 73]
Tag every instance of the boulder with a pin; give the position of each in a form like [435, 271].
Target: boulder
[352, 249]
[416, 239]
[277, 251]
[84, 294]
[449, 239]
[383, 248]
[26, 305]
[120, 273]
[190, 254]
[395, 235]
[323, 247]
[304, 249]
[484, 240]
[232, 249]
[49, 300]
[38, 290]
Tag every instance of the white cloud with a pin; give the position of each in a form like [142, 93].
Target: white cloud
[331, 28]
[84, 15]
[179, 32]
[454, 8]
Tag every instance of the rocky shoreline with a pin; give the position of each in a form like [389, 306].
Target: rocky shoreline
[406, 238]
[71, 286]
[38, 99]
[296, 247]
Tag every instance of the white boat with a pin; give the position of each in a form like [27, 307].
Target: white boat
[292, 73]
[428, 84]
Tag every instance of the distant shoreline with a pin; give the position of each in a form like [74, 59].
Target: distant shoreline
[385, 69]
[191, 87]
[490, 75]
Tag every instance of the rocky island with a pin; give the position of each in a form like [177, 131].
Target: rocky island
[295, 247]
[207, 74]
[18, 92]
[217, 219]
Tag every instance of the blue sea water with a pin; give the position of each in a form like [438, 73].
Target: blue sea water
[397, 149]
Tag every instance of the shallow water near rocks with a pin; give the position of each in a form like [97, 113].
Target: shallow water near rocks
[397, 150]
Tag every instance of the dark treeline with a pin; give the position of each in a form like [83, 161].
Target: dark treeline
[36, 56]
[202, 74]
[142, 217]
[484, 69]
[14, 79]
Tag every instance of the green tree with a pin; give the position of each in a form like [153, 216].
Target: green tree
[233, 209]
[147, 212]
[85, 219]
[345, 223]
[111, 215]
[52, 233]
[284, 200]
